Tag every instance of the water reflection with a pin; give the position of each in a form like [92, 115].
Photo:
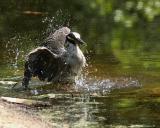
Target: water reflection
[107, 95]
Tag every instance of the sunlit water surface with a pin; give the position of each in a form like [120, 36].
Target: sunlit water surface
[106, 94]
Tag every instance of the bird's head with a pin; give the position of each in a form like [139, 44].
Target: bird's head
[75, 38]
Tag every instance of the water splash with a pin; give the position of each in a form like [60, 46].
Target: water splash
[103, 86]
[16, 58]
[15, 49]
[59, 20]
[12, 51]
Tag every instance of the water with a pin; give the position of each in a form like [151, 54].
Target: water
[107, 96]
[120, 86]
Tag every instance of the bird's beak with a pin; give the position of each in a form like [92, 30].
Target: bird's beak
[80, 41]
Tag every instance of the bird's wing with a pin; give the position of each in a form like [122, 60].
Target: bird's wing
[44, 63]
[55, 42]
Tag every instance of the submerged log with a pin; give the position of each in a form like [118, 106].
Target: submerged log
[26, 102]
[8, 82]
[16, 78]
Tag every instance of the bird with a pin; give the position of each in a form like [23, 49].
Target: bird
[58, 59]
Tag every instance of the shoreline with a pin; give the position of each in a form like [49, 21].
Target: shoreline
[14, 115]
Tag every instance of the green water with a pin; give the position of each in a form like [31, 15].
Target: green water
[121, 85]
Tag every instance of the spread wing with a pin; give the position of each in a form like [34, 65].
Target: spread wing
[44, 63]
[55, 42]
[48, 61]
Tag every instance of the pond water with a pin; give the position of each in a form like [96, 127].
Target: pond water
[120, 87]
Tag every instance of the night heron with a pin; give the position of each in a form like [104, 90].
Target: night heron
[58, 60]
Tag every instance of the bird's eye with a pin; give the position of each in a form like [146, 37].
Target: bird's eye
[69, 38]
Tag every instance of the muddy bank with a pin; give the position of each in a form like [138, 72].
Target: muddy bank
[13, 115]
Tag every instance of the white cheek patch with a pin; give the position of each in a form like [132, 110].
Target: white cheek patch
[77, 35]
